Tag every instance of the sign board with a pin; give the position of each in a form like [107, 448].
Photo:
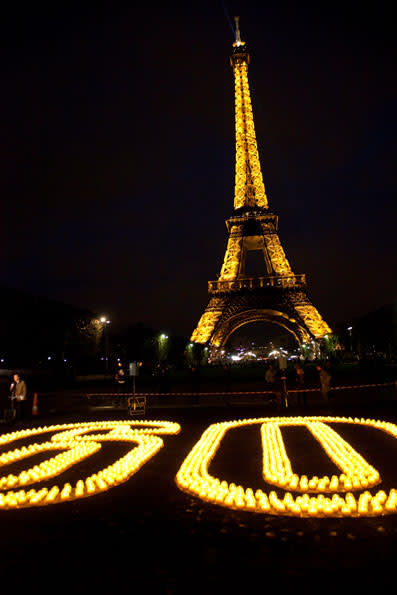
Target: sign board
[282, 362]
[133, 368]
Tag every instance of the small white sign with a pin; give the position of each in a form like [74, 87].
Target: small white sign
[282, 362]
[133, 367]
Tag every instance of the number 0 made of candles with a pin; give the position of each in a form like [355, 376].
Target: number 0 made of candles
[317, 496]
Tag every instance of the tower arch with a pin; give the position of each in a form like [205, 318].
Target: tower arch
[277, 293]
[224, 331]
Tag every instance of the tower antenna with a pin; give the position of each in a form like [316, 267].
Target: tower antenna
[238, 38]
[274, 294]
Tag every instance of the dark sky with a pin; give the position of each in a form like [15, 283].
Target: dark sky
[117, 150]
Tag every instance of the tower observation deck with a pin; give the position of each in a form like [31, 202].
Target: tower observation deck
[277, 295]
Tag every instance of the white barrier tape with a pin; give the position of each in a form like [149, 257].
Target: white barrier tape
[230, 393]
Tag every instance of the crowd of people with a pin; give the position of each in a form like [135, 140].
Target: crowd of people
[276, 383]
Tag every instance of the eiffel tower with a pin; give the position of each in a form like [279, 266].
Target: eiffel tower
[278, 296]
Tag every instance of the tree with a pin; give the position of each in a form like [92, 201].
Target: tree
[330, 344]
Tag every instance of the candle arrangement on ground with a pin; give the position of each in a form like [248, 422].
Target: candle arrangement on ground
[333, 495]
[76, 444]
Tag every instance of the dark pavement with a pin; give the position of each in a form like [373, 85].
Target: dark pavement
[148, 533]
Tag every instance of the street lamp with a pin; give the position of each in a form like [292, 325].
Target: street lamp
[105, 322]
[350, 328]
[162, 347]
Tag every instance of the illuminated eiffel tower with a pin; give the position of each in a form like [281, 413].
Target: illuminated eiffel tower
[278, 296]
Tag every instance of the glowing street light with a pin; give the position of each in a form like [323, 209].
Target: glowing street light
[350, 328]
[162, 347]
[104, 320]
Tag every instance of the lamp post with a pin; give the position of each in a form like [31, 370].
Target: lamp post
[105, 322]
[350, 328]
[189, 354]
[162, 347]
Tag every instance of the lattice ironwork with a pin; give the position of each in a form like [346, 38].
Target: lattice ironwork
[277, 295]
[276, 254]
[231, 263]
[206, 325]
[249, 186]
[314, 322]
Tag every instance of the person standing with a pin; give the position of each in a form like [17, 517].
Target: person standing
[270, 379]
[300, 381]
[270, 375]
[325, 381]
[280, 390]
[121, 385]
[18, 396]
[164, 380]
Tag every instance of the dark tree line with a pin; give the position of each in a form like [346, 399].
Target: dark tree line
[38, 332]
[35, 331]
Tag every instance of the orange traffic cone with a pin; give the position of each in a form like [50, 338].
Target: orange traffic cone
[35, 409]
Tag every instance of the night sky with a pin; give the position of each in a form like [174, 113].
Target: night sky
[117, 150]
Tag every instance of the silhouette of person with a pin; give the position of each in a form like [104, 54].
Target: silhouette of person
[164, 382]
[325, 381]
[121, 386]
[300, 381]
[18, 396]
[270, 379]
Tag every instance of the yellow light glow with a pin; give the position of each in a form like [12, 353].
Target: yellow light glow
[249, 186]
[193, 476]
[76, 445]
[313, 320]
[250, 197]
[208, 321]
[356, 472]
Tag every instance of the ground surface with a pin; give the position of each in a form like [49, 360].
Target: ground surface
[148, 532]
